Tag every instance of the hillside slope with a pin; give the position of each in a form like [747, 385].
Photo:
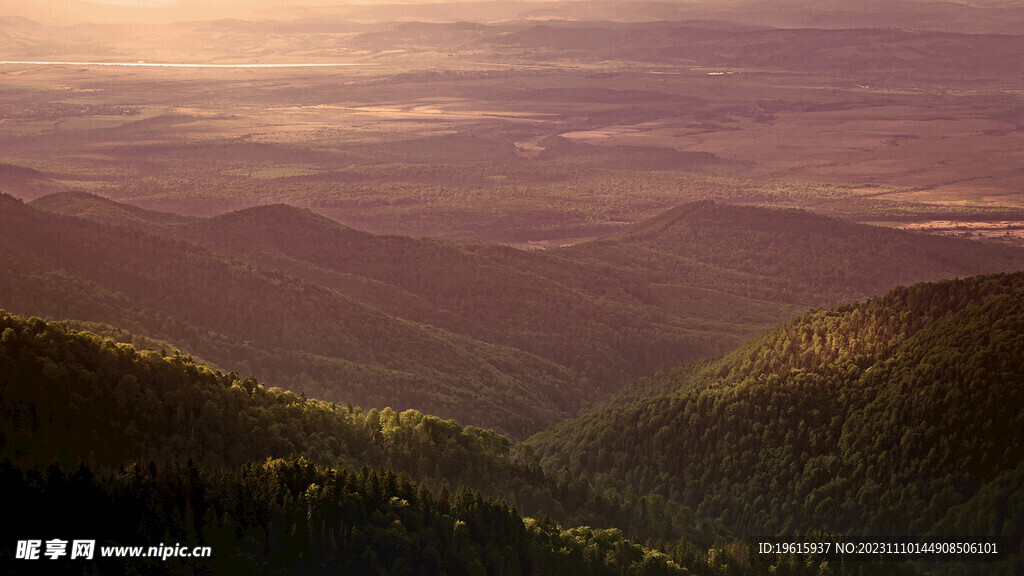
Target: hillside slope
[263, 322]
[72, 397]
[594, 320]
[692, 282]
[163, 449]
[126, 422]
[897, 418]
[603, 324]
[105, 211]
[787, 255]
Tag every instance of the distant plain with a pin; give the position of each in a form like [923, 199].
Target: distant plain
[531, 134]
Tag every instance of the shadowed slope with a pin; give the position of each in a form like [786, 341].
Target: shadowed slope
[788, 255]
[289, 331]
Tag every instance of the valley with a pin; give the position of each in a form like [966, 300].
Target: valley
[464, 288]
[532, 337]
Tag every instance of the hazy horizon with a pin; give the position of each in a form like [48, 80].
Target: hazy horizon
[798, 13]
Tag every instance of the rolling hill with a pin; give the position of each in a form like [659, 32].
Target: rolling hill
[159, 449]
[264, 322]
[786, 255]
[104, 211]
[588, 318]
[591, 319]
[583, 320]
[899, 419]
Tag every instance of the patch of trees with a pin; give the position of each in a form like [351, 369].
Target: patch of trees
[292, 517]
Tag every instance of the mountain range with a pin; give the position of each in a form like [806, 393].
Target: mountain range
[897, 419]
[493, 336]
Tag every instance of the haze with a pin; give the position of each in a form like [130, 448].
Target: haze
[975, 16]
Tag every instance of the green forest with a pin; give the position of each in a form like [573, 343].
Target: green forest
[148, 448]
[896, 418]
[292, 517]
[372, 373]
[492, 336]
[75, 397]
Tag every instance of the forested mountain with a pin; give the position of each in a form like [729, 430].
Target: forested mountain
[899, 418]
[362, 492]
[263, 322]
[503, 338]
[597, 321]
[77, 401]
[74, 397]
[105, 211]
[289, 517]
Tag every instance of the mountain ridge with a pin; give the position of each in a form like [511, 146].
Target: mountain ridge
[893, 417]
[235, 314]
[570, 326]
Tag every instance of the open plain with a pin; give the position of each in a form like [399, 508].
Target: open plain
[525, 133]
